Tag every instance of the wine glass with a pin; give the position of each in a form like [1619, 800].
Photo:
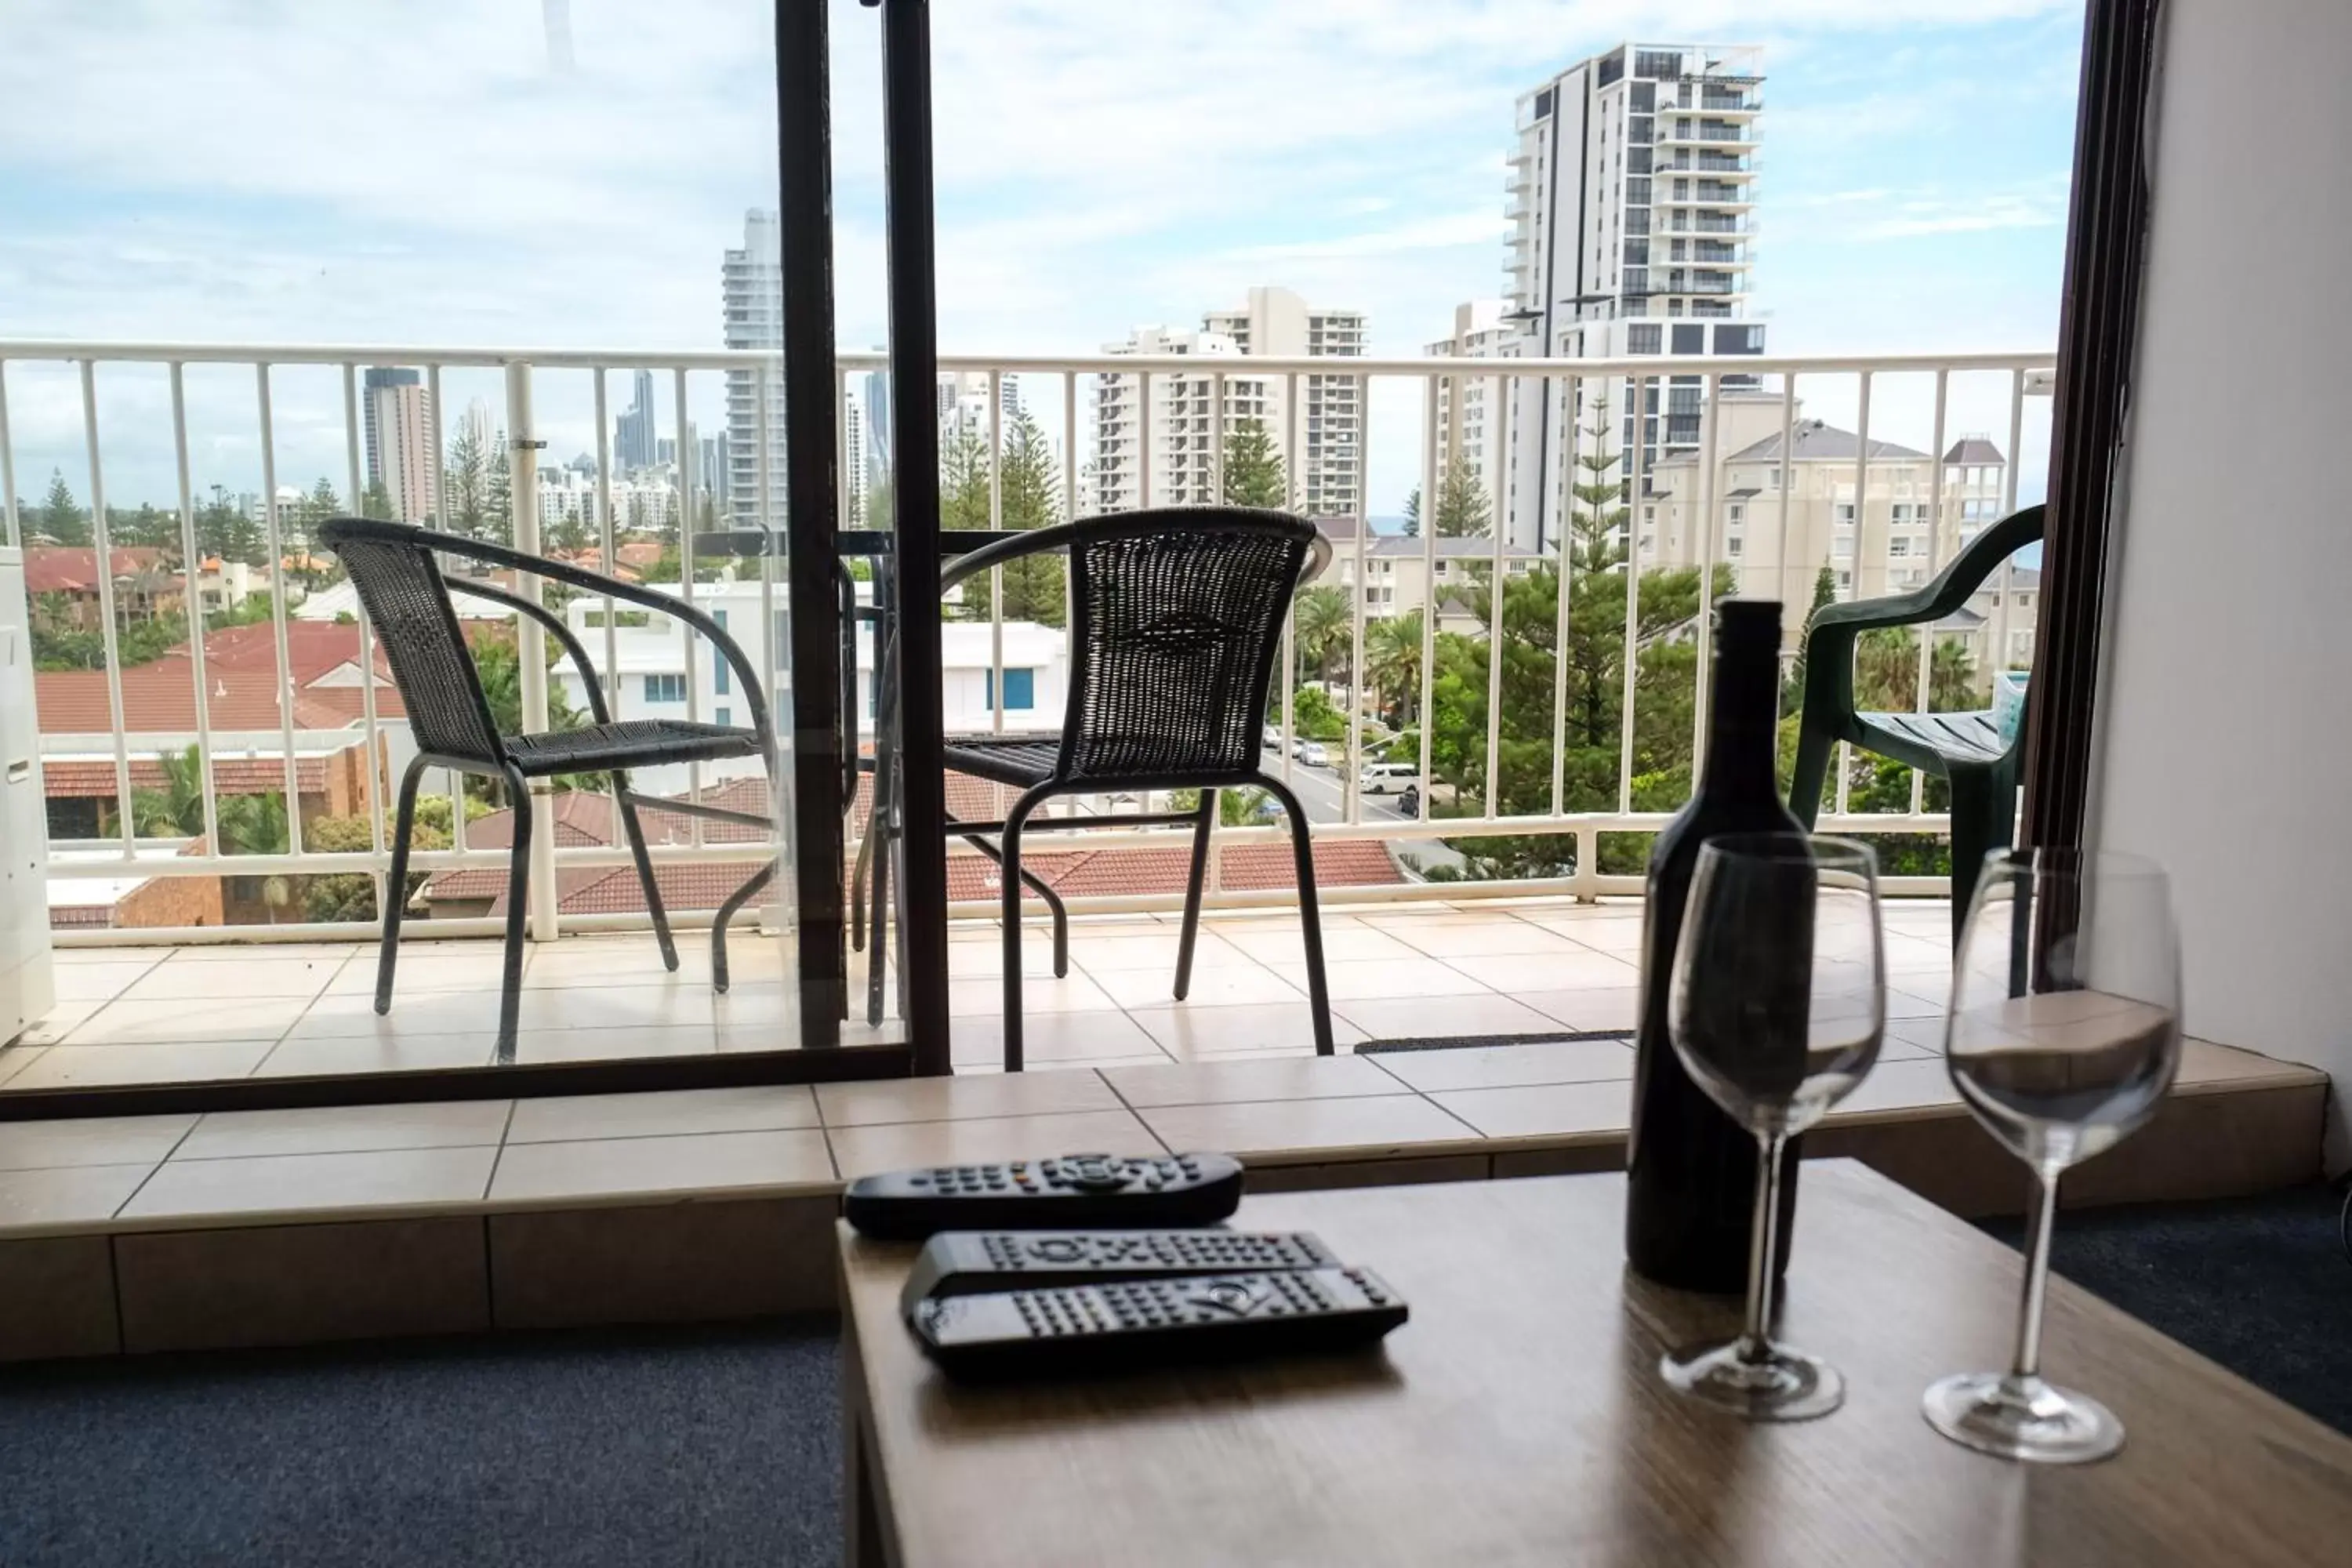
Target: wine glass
[1778, 1003]
[2063, 1034]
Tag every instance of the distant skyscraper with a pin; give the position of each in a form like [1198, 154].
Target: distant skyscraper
[1633, 206]
[635, 433]
[752, 290]
[853, 461]
[1323, 452]
[878, 430]
[712, 474]
[397, 420]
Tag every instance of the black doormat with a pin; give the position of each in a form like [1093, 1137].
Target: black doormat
[1460, 1042]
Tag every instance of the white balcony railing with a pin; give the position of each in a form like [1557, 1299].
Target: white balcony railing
[1559, 809]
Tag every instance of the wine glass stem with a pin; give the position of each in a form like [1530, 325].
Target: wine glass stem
[2037, 1277]
[1763, 1246]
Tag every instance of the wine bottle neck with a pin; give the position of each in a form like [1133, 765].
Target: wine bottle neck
[1743, 731]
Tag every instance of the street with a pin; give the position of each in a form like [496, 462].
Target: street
[1323, 791]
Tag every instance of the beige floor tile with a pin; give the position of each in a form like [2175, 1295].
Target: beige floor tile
[1439, 1018]
[963, 1097]
[604, 961]
[126, 1022]
[1342, 942]
[1902, 1085]
[85, 1067]
[1191, 1031]
[72, 1195]
[347, 1129]
[58, 1022]
[979, 960]
[761, 1006]
[1502, 1067]
[361, 1054]
[1571, 968]
[1253, 1078]
[337, 1016]
[101, 979]
[1491, 937]
[648, 1003]
[391, 1179]
[1612, 933]
[203, 980]
[438, 966]
[1534, 1111]
[614, 1045]
[763, 1107]
[898, 1145]
[1101, 956]
[702, 1161]
[1367, 1127]
[15, 1060]
[1920, 1004]
[977, 997]
[93, 1141]
[1912, 1039]
[1374, 980]
[1232, 987]
[1099, 1036]
[1589, 1007]
[238, 952]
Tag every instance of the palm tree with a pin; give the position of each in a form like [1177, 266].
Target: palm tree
[177, 810]
[1323, 629]
[1393, 659]
[256, 824]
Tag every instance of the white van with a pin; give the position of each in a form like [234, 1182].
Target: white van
[1387, 778]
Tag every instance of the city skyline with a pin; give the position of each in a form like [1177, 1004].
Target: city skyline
[1939, 228]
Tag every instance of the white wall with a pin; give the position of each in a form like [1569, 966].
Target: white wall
[2227, 704]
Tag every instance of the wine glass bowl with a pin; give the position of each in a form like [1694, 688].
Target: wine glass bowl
[1777, 1011]
[2063, 1036]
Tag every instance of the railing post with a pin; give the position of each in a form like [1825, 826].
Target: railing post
[531, 641]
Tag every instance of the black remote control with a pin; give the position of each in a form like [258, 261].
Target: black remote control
[1147, 1324]
[1076, 1191]
[961, 1262]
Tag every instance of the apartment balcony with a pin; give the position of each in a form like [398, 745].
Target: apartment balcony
[176, 965]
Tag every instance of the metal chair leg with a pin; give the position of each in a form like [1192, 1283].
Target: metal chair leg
[1205, 820]
[1011, 911]
[735, 901]
[396, 885]
[1044, 891]
[637, 852]
[518, 901]
[1302, 847]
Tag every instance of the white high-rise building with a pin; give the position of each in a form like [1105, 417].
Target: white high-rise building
[753, 287]
[1322, 448]
[1175, 439]
[1470, 425]
[853, 456]
[1633, 212]
[402, 455]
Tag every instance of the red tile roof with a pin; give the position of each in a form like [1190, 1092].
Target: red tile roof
[231, 775]
[241, 684]
[73, 569]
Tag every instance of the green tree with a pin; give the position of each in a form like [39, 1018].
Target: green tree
[1030, 499]
[1464, 511]
[499, 501]
[1253, 474]
[146, 527]
[465, 486]
[376, 502]
[61, 518]
[176, 810]
[1392, 663]
[881, 505]
[254, 824]
[498, 661]
[1323, 630]
[226, 533]
[350, 896]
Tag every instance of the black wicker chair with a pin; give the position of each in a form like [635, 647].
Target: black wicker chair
[1177, 620]
[393, 567]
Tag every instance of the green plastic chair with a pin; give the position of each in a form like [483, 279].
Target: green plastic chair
[1964, 749]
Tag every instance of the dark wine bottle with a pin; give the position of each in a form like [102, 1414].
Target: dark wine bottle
[1692, 1171]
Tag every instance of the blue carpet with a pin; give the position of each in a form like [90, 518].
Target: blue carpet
[709, 1447]
[2260, 1285]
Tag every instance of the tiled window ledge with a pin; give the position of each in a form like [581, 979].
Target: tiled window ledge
[267, 1226]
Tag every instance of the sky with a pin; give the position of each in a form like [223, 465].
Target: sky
[433, 172]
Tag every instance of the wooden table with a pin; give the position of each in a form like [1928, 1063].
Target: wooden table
[1518, 1417]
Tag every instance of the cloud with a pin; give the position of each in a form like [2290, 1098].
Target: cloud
[1430, 234]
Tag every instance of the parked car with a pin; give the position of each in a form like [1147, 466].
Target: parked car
[1314, 754]
[1386, 778]
[1272, 738]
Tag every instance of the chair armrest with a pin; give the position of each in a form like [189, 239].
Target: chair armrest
[763, 723]
[553, 623]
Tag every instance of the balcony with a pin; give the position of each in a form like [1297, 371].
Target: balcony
[141, 911]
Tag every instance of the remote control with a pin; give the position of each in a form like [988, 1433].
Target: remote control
[1147, 1324]
[960, 1262]
[1076, 1191]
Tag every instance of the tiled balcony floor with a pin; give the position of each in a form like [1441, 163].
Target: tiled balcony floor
[1518, 968]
